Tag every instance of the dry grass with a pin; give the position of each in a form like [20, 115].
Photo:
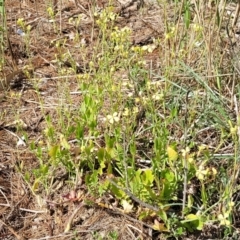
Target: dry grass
[68, 82]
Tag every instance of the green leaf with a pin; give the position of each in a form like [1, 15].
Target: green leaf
[44, 169]
[117, 192]
[27, 176]
[168, 175]
[101, 154]
[148, 177]
[102, 166]
[193, 221]
[132, 149]
[63, 142]
[52, 152]
[168, 184]
[172, 154]
[190, 201]
[191, 217]
[92, 178]
[163, 215]
[187, 16]
[79, 131]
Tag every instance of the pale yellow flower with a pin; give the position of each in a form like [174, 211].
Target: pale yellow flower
[214, 171]
[224, 219]
[126, 112]
[157, 97]
[202, 172]
[135, 110]
[185, 152]
[113, 118]
[197, 27]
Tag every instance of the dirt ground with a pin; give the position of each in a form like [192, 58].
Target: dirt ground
[28, 215]
[25, 215]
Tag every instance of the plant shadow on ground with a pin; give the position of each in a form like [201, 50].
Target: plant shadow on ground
[120, 121]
